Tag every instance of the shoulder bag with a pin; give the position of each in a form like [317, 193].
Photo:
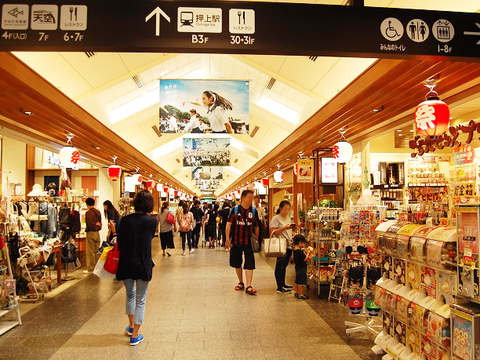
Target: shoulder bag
[275, 246]
[170, 218]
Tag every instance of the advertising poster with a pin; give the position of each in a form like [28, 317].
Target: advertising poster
[305, 171]
[204, 106]
[207, 173]
[206, 152]
[329, 171]
[463, 154]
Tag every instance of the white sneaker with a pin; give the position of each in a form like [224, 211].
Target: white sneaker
[87, 272]
[192, 250]
[183, 254]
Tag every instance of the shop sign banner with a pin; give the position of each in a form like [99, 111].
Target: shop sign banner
[463, 154]
[204, 106]
[206, 152]
[232, 27]
[329, 173]
[305, 171]
[207, 173]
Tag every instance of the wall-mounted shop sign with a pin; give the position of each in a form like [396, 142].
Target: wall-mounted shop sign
[329, 171]
[430, 144]
[237, 28]
[463, 154]
[305, 171]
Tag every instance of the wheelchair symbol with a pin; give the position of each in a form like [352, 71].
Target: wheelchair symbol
[391, 29]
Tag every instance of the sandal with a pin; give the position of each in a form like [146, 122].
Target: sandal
[240, 286]
[250, 291]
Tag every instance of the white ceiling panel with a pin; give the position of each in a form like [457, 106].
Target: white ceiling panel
[134, 61]
[340, 75]
[99, 69]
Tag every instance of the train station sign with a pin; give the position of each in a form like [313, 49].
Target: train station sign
[237, 28]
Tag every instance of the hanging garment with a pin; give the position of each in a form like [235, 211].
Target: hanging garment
[76, 224]
[65, 218]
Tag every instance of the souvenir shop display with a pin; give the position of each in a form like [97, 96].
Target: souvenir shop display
[416, 289]
[322, 235]
[361, 266]
[8, 294]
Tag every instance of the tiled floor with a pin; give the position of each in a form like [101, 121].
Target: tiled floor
[192, 313]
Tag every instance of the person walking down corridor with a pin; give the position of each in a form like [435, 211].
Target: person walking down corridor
[186, 224]
[241, 225]
[166, 228]
[135, 266]
[198, 215]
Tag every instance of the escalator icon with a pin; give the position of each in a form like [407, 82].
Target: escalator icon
[392, 29]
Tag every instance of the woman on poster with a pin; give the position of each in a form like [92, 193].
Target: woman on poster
[217, 108]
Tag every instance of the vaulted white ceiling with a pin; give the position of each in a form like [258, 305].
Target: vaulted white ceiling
[104, 85]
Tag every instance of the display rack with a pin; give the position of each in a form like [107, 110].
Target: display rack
[9, 291]
[323, 236]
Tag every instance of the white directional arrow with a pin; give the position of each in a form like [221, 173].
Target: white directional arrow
[158, 13]
[473, 33]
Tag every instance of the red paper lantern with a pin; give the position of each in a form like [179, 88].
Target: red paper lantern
[295, 169]
[432, 117]
[150, 184]
[265, 182]
[114, 172]
[238, 192]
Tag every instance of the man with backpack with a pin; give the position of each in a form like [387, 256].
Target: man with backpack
[93, 220]
[242, 223]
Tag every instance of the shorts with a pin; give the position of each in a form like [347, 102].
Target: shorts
[166, 240]
[301, 277]
[236, 258]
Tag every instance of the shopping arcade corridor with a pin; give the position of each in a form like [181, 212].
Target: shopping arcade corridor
[192, 313]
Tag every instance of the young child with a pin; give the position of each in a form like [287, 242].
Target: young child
[300, 259]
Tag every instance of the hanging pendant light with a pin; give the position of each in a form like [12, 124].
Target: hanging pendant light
[114, 171]
[342, 151]
[432, 117]
[69, 156]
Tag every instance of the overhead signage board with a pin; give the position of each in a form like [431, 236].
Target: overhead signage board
[237, 28]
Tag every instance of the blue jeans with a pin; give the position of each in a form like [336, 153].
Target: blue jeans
[186, 236]
[136, 298]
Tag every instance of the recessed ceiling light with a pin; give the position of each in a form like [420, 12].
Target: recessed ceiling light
[26, 112]
[96, 147]
[411, 130]
[400, 135]
[451, 117]
[288, 159]
[399, 130]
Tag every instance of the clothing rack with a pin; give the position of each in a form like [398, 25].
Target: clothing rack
[8, 325]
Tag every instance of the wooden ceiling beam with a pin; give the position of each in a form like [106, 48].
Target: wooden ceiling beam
[54, 113]
[394, 84]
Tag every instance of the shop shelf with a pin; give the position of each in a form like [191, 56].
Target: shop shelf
[7, 325]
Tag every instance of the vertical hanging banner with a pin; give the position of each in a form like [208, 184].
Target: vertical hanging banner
[233, 27]
[305, 171]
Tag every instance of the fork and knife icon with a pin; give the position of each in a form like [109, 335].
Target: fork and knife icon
[73, 13]
[241, 15]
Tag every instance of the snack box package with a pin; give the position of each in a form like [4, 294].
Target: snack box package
[429, 348]
[388, 268]
[447, 286]
[399, 270]
[428, 281]
[438, 328]
[414, 272]
[414, 340]
[388, 324]
[416, 316]
[400, 331]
